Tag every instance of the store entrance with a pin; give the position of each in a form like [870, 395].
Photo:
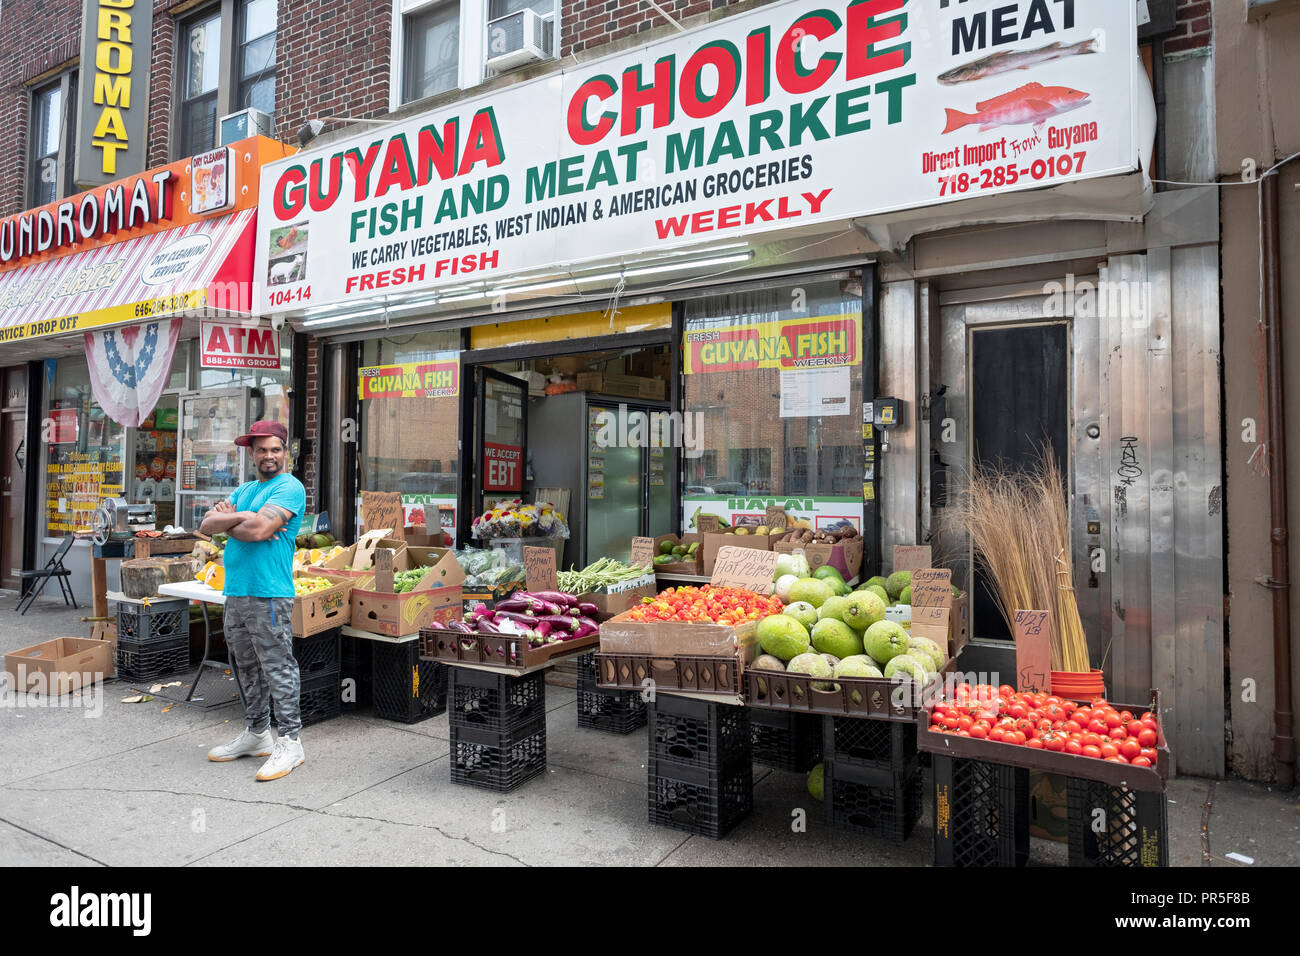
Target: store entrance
[593, 437]
[1019, 406]
[13, 436]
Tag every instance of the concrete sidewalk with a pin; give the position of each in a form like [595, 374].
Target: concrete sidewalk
[133, 786]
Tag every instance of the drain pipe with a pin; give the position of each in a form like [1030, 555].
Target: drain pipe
[1279, 580]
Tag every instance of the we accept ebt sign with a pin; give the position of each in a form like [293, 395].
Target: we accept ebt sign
[792, 114]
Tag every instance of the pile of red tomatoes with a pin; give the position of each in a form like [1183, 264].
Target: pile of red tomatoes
[1046, 722]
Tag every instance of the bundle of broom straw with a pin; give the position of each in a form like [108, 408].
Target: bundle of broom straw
[1020, 526]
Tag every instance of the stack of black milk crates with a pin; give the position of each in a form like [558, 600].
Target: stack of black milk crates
[356, 667]
[700, 765]
[498, 728]
[611, 711]
[319, 670]
[872, 775]
[981, 813]
[152, 639]
[786, 740]
[405, 688]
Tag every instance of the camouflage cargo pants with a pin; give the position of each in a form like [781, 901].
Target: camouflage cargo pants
[260, 638]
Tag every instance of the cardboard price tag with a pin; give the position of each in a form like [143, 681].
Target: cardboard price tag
[383, 509]
[909, 557]
[1033, 651]
[775, 516]
[708, 524]
[539, 569]
[748, 568]
[932, 587]
[643, 552]
[383, 570]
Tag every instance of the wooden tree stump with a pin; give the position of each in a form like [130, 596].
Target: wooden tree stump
[141, 577]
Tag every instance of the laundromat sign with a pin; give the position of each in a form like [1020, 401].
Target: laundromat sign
[784, 116]
[438, 379]
[824, 342]
[116, 41]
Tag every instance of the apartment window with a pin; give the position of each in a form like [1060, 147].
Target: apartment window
[201, 79]
[224, 69]
[52, 140]
[256, 56]
[441, 45]
[431, 55]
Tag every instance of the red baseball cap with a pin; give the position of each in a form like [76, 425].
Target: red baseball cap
[264, 429]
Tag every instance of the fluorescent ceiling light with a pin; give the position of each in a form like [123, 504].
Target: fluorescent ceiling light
[697, 264]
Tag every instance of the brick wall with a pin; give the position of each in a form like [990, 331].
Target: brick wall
[1195, 30]
[334, 60]
[311, 427]
[585, 24]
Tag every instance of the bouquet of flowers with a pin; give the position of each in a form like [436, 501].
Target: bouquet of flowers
[519, 520]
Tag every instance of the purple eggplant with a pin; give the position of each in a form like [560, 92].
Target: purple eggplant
[526, 620]
[561, 621]
[583, 630]
[485, 625]
[554, 597]
[543, 628]
[459, 626]
[588, 609]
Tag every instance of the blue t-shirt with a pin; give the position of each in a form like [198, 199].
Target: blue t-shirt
[265, 568]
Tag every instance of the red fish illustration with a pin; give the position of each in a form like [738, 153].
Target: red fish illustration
[1030, 104]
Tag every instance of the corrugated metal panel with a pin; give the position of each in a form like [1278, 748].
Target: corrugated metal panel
[1198, 512]
[899, 468]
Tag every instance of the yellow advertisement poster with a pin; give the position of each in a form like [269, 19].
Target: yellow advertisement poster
[439, 378]
[827, 341]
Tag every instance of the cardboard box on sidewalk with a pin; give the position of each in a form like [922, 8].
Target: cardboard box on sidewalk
[59, 666]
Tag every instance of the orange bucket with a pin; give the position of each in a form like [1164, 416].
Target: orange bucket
[1078, 685]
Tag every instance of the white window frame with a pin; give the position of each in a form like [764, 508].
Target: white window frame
[471, 70]
[63, 170]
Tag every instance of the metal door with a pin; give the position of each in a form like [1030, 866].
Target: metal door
[501, 437]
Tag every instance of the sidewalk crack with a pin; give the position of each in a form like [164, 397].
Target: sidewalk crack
[1206, 809]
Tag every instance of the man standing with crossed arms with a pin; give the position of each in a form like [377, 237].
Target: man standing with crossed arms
[262, 519]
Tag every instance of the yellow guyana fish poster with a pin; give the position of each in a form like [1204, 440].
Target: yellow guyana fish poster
[804, 343]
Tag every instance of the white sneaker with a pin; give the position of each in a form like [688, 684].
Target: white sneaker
[247, 744]
[286, 755]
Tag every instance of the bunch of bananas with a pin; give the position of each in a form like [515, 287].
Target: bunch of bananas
[309, 585]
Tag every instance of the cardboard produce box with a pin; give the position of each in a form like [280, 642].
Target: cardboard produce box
[107, 631]
[713, 541]
[693, 566]
[845, 557]
[612, 603]
[59, 666]
[436, 598]
[621, 635]
[322, 610]
[357, 561]
[471, 595]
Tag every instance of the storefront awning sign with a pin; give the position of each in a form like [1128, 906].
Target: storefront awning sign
[164, 273]
[789, 115]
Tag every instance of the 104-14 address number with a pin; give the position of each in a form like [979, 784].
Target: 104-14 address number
[285, 296]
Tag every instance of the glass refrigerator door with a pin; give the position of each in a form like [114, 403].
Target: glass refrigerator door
[211, 465]
[614, 495]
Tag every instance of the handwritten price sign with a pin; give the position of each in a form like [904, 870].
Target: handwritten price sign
[1033, 651]
[643, 551]
[539, 569]
[747, 568]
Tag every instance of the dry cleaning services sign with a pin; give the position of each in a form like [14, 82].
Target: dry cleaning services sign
[788, 115]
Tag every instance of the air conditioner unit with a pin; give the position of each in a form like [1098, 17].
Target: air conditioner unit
[247, 122]
[522, 37]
